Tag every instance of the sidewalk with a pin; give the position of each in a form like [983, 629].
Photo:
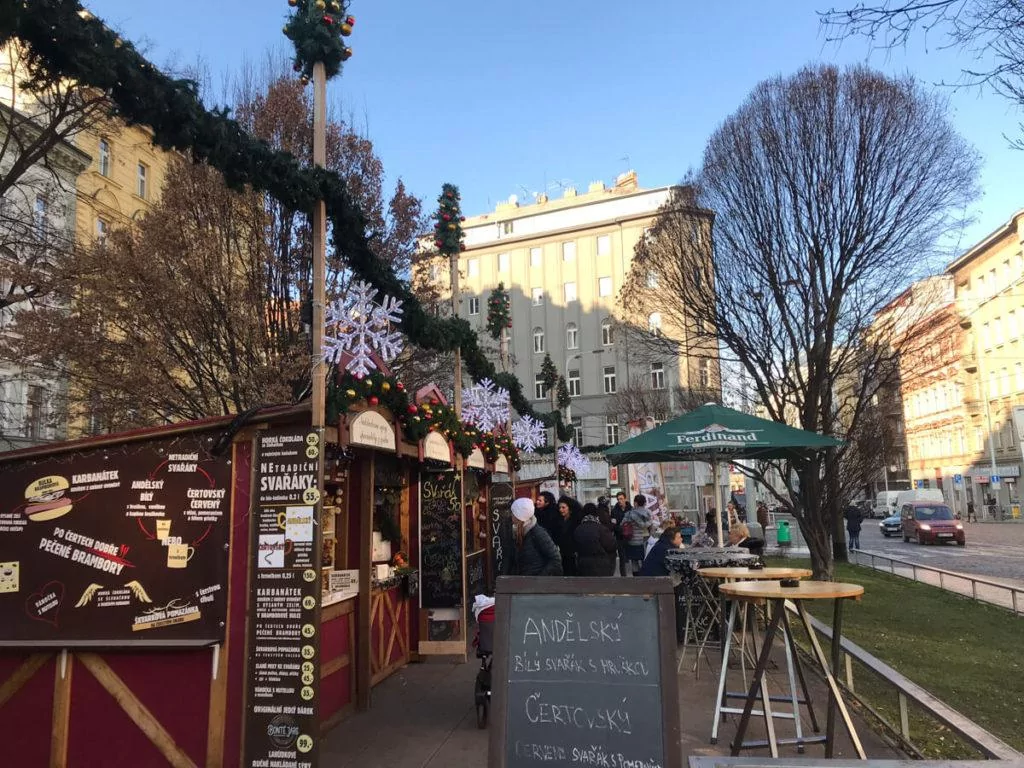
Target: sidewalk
[424, 717]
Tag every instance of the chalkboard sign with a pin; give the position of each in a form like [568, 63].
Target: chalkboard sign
[500, 528]
[476, 575]
[440, 541]
[584, 673]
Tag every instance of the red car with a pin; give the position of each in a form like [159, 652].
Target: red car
[931, 523]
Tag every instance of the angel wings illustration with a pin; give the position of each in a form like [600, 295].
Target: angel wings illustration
[136, 588]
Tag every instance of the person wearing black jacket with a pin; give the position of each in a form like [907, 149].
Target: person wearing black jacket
[854, 517]
[547, 515]
[618, 512]
[595, 545]
[654, 564]
[535, 552]
[571, 514]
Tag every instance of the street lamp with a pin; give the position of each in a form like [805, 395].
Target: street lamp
[973, 366]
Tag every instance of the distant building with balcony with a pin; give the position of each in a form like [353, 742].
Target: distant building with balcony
[563, 262]
[989, 285]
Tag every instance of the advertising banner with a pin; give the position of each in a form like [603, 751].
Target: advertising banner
[125, 545]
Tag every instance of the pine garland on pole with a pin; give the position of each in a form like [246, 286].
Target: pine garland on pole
[548, 373]
[448, 222]
[317, 29]
[499, 312]
[562, 396]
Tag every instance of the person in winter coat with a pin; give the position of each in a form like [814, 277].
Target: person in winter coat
[636, 527]
[595, 545]
[618, 513]
[571, 514]
[535, 552]
[654, 564]
[854, 517]
[547, 515]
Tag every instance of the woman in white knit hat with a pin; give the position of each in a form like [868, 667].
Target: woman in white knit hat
[535, 553]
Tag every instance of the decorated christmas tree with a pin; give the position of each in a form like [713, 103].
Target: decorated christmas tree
[499, 312]
[448, 222]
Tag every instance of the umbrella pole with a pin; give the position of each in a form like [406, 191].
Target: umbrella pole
[720, 506]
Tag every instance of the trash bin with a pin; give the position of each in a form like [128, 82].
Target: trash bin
[783, 536]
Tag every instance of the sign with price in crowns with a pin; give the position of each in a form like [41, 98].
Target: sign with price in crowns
[282, 725]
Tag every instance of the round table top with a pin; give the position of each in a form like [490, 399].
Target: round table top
[804, 590]
[754, 574]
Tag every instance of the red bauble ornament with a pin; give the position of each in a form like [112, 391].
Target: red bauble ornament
[359, 377]
[328, 20]
[426, 416]
[438, 243]
[400, 386]
[462, 246]
[373, 400]
[509, 325]
[412, 409]
[350, 20]
[433, 401]
[462, 218]
[446, 217]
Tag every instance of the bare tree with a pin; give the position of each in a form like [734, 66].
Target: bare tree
[990, 31]
[830, 190]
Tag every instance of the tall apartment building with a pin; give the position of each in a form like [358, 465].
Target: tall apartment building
[563, 262]
[989, 284]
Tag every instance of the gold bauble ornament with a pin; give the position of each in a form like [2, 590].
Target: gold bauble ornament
[451, 226]
[293, 3]
[346, 29]
[320, 5]
[346, 54]
[386, 386]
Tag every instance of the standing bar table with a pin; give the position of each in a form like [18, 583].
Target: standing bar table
[777, 595]
[793, 667]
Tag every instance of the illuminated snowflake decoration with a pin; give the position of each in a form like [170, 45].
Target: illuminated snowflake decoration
[529, 434]
[362, 327]
[485, 405]
[569, 456]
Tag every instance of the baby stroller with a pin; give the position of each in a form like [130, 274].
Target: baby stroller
[483, 609]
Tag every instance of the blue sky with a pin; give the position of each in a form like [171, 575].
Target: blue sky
[507, 98]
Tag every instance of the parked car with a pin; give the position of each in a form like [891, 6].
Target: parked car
[931, 523]
[891, 525]
[885, 504]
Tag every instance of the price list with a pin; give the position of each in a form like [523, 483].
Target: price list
[284, 603]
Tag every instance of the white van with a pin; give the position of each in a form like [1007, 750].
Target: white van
[919, 494]
[885, 504]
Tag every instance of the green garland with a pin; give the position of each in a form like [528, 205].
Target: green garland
[448, 222]
[344, 390]
[562, 399]
[548, 372]
[499, 312]
[76, 45]
[316, 29]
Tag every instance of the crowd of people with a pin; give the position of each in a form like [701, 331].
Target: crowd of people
[561, 537]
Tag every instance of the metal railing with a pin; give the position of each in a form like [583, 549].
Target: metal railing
[907, 692]
[978, 588]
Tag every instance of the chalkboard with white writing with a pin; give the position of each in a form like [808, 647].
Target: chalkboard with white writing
[584, 673]
[441, 576]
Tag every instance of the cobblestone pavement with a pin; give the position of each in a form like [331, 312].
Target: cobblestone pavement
[994, 550]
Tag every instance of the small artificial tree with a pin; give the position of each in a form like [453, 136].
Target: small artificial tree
[499, 312]
[317, 29]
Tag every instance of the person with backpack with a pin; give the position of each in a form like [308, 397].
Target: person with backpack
[535, 553]
[595, 545]
[636, 527]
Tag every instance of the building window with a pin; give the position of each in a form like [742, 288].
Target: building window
[577, 430]
[538, 340]
[609, 380]
[1005, 376]
[1020, 377]
[654, 323]
[507, 227]
[652, 279]
[611, 433]
[569, 250]
[607, 335]
[102, 230]
[571, 336]
[540, 392]
[34, 412]
[604, 245]
[1011, 325]
[537, 294]
[657, 375]
[104, 160]
[503, 262]
[705, 374]
[142, 181]
[535, 257]
[474, 305]
[604, 286]
[574, 383]
[569, 290]
[39, 215]
[997, 331]
[986, 336]
[473, 268]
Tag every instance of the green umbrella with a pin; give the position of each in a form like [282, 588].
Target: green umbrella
[712, 433]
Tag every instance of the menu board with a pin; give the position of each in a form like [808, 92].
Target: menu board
[124, 545]
[440, 541]
[584, 673]
[283, 677]
[500, 528]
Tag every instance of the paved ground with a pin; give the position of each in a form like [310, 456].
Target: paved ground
[424, 717]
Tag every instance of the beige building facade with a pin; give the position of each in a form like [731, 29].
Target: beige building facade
[563, 262]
